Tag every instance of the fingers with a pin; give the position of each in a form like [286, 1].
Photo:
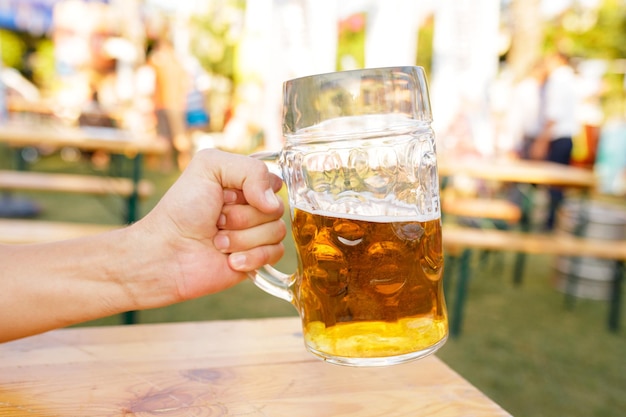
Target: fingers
[254, 247]
[241, 216]
[255, 258]
[250, 227]
[233, 196]
[230, 241]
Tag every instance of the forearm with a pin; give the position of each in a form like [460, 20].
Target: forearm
[170, 255]
[47, 286]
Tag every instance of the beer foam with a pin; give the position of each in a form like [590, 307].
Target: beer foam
[376, 218]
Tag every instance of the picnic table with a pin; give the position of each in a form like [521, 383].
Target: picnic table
[256, 367]
[530, 172]
[541, 173]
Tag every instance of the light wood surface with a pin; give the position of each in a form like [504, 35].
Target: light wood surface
[255, 368]
[521, 171]
[561, 244]
[481, 208]
[73, 183]
[19, 231]
[86, 138]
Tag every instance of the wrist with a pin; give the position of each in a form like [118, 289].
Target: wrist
[145, 276]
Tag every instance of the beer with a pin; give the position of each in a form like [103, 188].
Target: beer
[369, 287]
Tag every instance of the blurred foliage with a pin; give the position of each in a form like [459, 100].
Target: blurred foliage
[13, 48]
[589, 33]
[351, 42]
[32, 56]
[595, 34]
[215, 34]
[425, 45]
[43, 65]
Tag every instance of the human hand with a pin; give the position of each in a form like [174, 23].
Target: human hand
[221, 219]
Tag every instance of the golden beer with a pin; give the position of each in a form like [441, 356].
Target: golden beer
[369, 287]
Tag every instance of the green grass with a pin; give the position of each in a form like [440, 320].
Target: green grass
[520, 345]
[534, 356]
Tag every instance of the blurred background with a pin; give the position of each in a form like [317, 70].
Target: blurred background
[231, 57]
[209, 73]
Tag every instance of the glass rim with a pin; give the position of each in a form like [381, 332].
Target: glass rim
[398, 68]
[310, 100]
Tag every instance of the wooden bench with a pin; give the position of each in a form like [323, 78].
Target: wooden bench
[19, 231]
[482, 213]
[458, 242]
[72, 183]
[558, 243]
[481, 208]
[76, 183]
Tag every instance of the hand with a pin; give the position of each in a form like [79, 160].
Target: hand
[219, 220]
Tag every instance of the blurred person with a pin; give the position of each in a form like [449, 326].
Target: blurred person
[219, 220]
[171, 84]
[525, 121]
[526, 113]
[197, 117]
[555, 140]
[590, 114]
[93, 114]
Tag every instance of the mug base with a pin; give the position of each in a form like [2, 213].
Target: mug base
[377, 361]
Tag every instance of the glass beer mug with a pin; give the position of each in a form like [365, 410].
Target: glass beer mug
[360, 168]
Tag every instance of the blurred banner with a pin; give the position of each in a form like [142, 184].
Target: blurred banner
[392, 32]
[465, 63]
[287, 39]
[33, 16]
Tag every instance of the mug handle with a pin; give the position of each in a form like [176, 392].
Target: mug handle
[268, 278]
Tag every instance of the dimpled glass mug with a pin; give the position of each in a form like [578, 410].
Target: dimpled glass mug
[360, 169]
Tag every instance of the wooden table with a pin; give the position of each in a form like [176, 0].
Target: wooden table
[524, 172]
[518, 171]
[527, 172]
[111, 140]
[221, 368]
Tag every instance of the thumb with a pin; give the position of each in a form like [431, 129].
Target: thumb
[259, 192]
[244, 173]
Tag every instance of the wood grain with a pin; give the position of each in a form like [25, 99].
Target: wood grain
[221, 368]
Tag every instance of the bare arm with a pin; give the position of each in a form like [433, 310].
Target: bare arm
[220, 219]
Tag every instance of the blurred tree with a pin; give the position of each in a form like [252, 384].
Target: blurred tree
[351, 42]
[32, 56]
[215, 33]
[424, 56]
[590, 33]
[599, 33]
[13, 48]
[43, 64]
